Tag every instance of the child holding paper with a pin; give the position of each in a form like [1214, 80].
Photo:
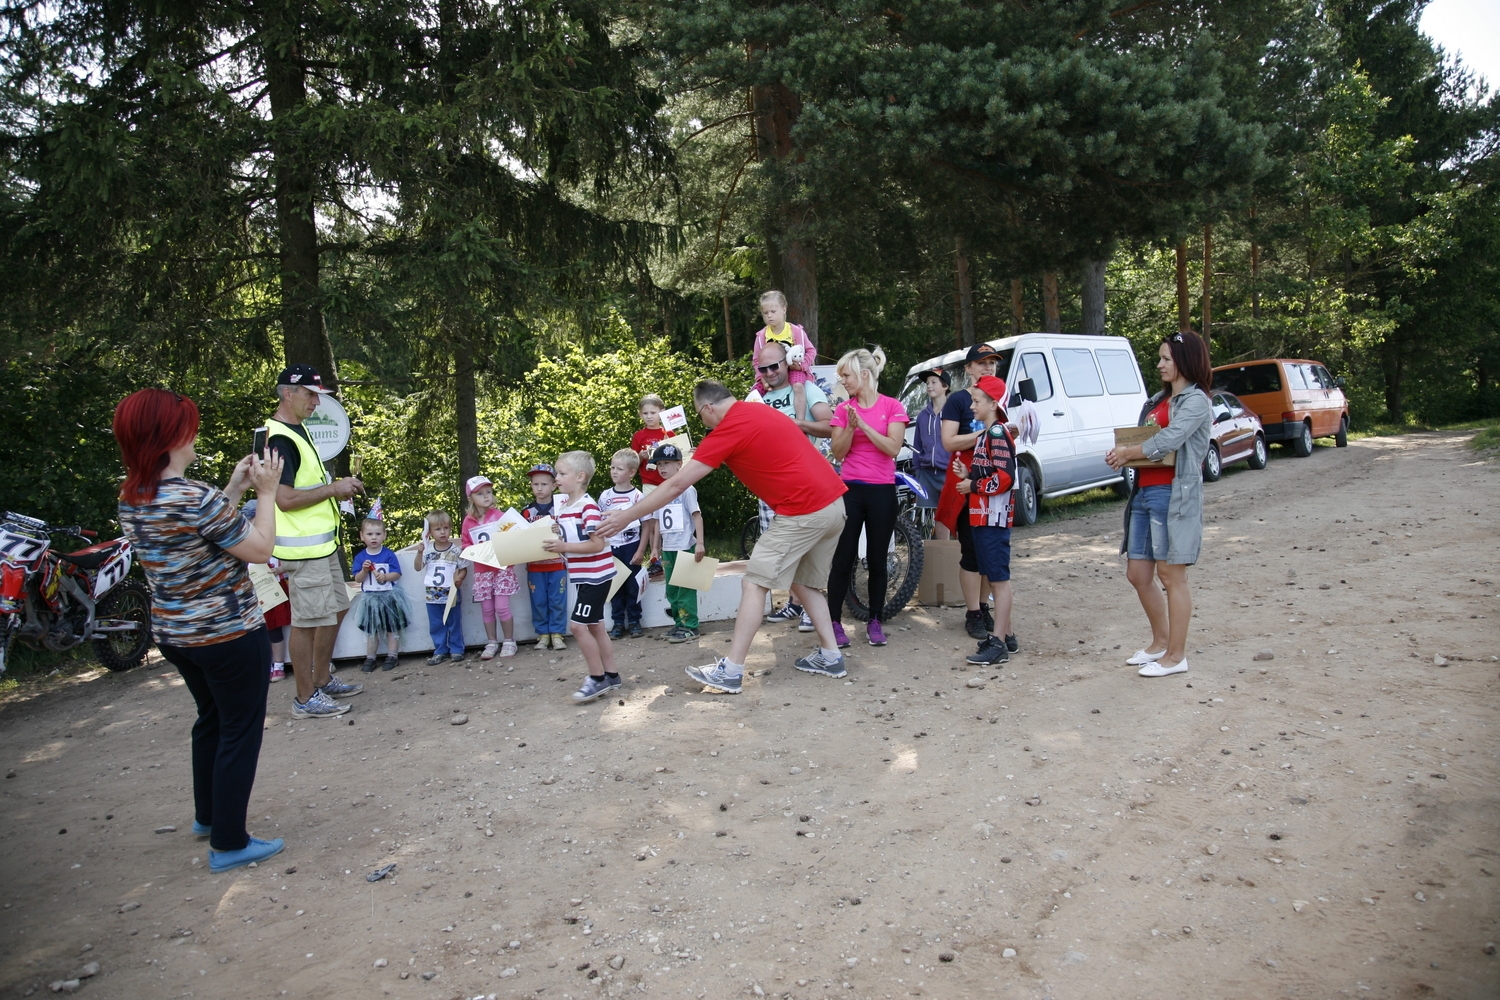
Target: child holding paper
[445, 572]
[648, 437]
[591, 567]
[547, 579]
[628, 546]
[492, 587]
[382, 607]
[679, 528]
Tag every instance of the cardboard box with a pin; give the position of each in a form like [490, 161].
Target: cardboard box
[939, 584]
[1139, 435]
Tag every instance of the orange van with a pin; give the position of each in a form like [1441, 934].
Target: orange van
[1296, 399]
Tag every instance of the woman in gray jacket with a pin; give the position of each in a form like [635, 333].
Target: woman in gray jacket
[1164, 519]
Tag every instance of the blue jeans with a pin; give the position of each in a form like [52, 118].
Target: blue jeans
[549, 601]
[1148, 523]
[447, 637]
[625, 609]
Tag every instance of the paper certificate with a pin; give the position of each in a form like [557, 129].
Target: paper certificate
[266, 588]
[682, 442]
[692, 574]
[452, 600]
[518, 545]
[622, 574]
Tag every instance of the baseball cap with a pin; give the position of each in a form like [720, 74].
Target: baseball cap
[305, 376]
[475, 482]
[992, 387]
[541, 469]
[925, 374]
[667, 453]
[980, 352]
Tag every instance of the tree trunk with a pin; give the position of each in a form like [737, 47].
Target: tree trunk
[1184, 310]
[466, 413]
[793, 257]
[1017, 307]
[304, 337]
[1051, 315]
[728, 331]
[1208, 279]
[1254, 268]
[1093, 297]
[963, 295]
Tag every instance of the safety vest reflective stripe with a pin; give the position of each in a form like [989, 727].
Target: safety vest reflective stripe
[310, 532]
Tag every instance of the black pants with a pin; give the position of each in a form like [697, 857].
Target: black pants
[870, 507]
[229, 681]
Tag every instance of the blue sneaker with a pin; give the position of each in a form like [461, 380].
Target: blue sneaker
[256, 850]
[816, 664]
[593, 687]
[716, 677]
[319, 706]
[336, 688]
[199, 830]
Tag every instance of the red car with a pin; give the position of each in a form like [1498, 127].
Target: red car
[1237, 436]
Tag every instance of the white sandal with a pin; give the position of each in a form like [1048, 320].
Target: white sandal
[1141, 658]
[490, 649]
[508, 649]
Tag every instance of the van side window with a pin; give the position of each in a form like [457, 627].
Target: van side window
[1119, 372]
[1321, 374]
[1034, 367]
[1079, 376]
[1250, 380]
[1295, 378]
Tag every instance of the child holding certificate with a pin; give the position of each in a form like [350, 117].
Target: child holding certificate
[443, 573]
[492, 587]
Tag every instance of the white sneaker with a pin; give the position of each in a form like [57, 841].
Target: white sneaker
[1154, 669]
[508, 648]
[1141, 658]
[490, 649]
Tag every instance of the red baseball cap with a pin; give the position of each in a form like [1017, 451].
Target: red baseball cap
[993, 387]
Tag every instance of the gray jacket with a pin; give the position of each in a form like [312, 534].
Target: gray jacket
[1189, 425]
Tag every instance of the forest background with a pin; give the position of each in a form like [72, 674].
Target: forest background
[497, 225]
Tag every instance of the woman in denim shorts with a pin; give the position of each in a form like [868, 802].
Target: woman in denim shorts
[1164, 519]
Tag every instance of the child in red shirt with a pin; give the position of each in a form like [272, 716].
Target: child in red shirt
[645, 440]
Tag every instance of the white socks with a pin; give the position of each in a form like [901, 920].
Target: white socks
[733, 669]
[831, 654]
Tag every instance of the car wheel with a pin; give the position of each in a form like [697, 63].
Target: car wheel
[1258, 455]
[1341, 436]
[1028, 500]
[1302, 443]
[1213, 464]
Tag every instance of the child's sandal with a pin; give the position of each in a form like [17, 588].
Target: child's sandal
[490, 649]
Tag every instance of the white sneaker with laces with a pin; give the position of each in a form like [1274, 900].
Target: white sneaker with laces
[1155, 669]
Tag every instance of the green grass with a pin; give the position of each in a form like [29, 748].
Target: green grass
[1415, 426]
[1488, 436]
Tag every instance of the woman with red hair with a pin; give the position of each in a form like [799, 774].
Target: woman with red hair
[193, 545]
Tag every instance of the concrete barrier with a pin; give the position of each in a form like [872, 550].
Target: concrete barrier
[718, 604]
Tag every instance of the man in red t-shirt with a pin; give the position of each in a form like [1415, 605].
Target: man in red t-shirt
[775, 461]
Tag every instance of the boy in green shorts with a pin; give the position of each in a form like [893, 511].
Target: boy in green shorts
[679, 529]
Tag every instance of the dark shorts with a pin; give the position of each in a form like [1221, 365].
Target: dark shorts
[968, 560]
[992, 546]
[588, 606]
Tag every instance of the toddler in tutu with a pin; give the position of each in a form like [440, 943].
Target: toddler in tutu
[382, 606]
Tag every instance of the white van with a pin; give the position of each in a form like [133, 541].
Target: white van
[1086, 386]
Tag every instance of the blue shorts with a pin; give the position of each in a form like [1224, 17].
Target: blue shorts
[992, 552]
[1148, 523]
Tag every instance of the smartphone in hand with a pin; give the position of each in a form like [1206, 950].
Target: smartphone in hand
[259, 445]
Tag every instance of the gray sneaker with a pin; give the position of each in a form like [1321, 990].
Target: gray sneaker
[816, 664]
[336, 688]
[319, 706]
[593, 687]
[682, 634]
[806, 624]
[716, 677]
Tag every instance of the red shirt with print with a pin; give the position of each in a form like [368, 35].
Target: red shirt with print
[648, 438]
[1158, 477]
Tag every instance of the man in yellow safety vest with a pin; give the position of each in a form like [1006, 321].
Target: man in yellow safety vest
[307, 525]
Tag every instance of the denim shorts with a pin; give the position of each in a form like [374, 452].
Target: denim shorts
[1148, 523]
[992, 551]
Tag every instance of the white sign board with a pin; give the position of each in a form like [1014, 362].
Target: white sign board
[328, 427]
[674, 418]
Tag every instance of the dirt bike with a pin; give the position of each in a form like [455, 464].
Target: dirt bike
[56, 600]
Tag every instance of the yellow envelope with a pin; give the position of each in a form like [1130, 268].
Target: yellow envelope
[266, 588]
[693, 574]
[513, 547]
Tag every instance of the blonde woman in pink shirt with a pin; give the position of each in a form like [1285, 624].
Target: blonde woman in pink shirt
[868, 432]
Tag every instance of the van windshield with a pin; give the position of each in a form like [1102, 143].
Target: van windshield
[1247, 380]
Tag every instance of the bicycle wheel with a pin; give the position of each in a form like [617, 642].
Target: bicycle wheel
[749, 535]
[904, 562]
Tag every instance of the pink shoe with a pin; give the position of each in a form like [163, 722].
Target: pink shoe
[875, 633]
[839, 636]
[277, 672]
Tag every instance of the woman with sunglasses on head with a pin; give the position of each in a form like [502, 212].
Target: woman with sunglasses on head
[1164, 518]
[193, 546]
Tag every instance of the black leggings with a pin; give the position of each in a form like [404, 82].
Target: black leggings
[871, 507]
[229, 681]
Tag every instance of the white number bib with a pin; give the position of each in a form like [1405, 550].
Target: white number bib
[439, 574]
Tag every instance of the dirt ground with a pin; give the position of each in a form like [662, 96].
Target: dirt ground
[1317, 824]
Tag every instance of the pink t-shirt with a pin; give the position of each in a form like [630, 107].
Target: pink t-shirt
[866, 463]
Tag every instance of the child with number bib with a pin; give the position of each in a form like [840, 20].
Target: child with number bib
[444, 572]
[679, 529]
[492, 587]
[382, 605]
[590, 568]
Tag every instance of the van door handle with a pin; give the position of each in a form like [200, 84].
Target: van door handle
[1058, 413]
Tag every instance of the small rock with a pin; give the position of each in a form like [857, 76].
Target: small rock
[429, 975]
[795, 770]
[88, 971]
[134, 904]
[458, 720]
[549, 781]
[507, 972]
[1211, 849]
[1325, 586]
[1005, 860]
[166, 829]
[975, 682]
[1489, 948]
[946, 956]
[1263, 655]
[1008, 953]
[617, 963]
[380, 963]
[1298, 905]
[405, 974]
[64, 985]
[1439, 660]
[1035, 800]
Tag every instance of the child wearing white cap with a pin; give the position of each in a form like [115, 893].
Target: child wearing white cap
[492, 587]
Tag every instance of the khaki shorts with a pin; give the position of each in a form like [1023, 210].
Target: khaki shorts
[318, 590]
[797, 549]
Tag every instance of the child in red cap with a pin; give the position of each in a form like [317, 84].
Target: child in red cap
[987, 483]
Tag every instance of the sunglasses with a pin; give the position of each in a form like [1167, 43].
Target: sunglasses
[768, 369]
[1176, 338]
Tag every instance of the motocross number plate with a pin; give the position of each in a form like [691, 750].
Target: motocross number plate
[21, 550]
[111, 573]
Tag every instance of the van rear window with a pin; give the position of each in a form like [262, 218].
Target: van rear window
[1247, 380]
